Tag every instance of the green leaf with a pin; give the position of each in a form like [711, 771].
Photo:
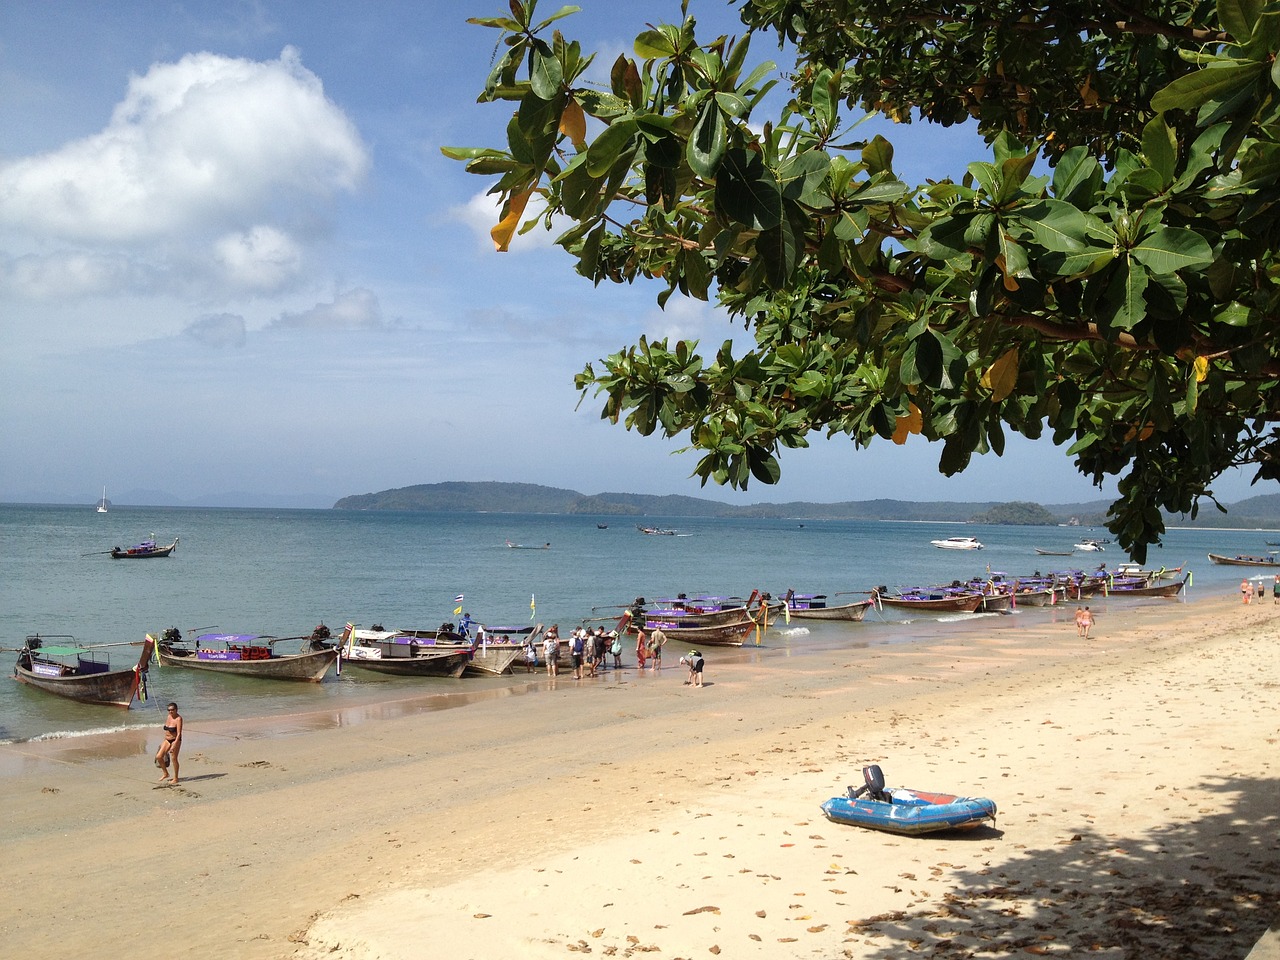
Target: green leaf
[1160, 148]
[1169, 249]
[1193, 90]
[547, 76]
[746, 190]
[654, 45]
[878, 155]
[1056, 225]
[708, 141]
[802, 176]
[609, 146]
[1238, 17]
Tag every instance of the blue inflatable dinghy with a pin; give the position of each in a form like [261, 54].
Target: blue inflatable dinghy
[905, 811]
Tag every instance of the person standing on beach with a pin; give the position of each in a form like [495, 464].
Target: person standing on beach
[577, 646]
[530, 656]
[1275, 590]
[615, 645]
[170, 745]
[1079, 621]
[551, 649]
[657, 640]
[642, 648]
[1244, 590]
[1086, 622]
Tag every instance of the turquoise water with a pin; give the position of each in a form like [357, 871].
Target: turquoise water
[281, 572]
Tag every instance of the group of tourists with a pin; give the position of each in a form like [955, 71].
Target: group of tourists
[589, 652]
[1248, 592]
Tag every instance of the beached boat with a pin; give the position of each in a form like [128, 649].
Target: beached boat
[813, 606]
[1147, 589]
[957, 543]
[492, 652]
[906, 811]
[1239, 560]
[249, 655]
[928, 602]
[80, 672]
[144, 550]
[393, 652]
[701, 611]
[719, 634]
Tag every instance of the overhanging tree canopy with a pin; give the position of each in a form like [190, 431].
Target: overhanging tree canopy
[1125, 303]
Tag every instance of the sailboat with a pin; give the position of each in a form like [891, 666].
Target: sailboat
[102, 504]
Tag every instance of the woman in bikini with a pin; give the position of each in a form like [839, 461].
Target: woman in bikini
[170, 745]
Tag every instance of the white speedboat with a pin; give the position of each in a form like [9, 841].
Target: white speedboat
[957, 543]
[1090, 546]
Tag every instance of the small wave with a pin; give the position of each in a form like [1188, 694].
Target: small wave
[961, 617]
[795, 632]
[73, 734]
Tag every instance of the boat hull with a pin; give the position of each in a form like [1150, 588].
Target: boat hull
[912, 812]
[1240, 561]
[963, 603]
[717, 635]
[849, 612]
[1154, 590]
[134, 553]
[311, 665]
[112, 688]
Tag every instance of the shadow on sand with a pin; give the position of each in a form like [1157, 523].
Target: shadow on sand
[1205, 887]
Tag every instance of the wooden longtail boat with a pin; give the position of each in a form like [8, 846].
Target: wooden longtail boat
[251, 655]
[89, 679]
[906, 811]
[144, 550]
[930, 602]
[1243, 561]
[813, 606]
[720, 634]
[1054, 553]
[391, 651]
[1149, 590]
[683, 611]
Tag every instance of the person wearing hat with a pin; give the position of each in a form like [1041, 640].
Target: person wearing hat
[695, 663]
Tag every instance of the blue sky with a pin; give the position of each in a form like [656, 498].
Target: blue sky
[233, 258]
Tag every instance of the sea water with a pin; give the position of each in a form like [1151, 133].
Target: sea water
[283, 572]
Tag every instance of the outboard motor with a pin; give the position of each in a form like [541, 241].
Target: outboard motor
[172, 635]
[873, 787]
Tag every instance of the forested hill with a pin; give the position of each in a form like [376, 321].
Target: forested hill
[493, 497]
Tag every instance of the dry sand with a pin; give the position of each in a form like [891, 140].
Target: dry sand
[1135, 775]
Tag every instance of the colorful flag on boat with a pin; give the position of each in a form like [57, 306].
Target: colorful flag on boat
[533, 607]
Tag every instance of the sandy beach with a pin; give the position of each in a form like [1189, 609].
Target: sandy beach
[1135, 773]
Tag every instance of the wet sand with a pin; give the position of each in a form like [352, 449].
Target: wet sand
[1136, 776]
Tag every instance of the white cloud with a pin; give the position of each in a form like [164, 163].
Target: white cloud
[67, 274]
[262, 259]
[209, 139]
[356, 309]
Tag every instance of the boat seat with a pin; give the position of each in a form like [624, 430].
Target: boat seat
[873, 786]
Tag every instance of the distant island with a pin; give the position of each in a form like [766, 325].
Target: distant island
[497, 497]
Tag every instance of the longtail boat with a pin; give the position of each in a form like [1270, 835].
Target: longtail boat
[144, 550]
[719, 634]
[79, 672]
[930, 602]
[1149, 589]
[393, 652]
[813, 606]
[1242, 561]
[249, 655]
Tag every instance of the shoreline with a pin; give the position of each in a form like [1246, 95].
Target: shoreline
[629, 805]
